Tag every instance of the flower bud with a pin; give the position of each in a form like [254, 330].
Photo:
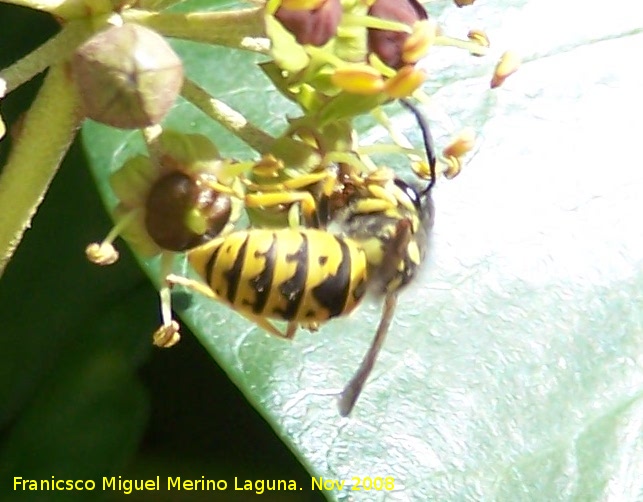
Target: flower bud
[314, 26]
[128, 76]
[388, 44]
[181, 213]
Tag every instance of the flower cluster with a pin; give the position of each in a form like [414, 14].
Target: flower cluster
[335, 59]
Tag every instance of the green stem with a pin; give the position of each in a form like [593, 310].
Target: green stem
[156, 4]
[51, 52]
[49, 127]
[472, 47]
[68, 10]
[240, 29]
[151, 136]
[231, 119]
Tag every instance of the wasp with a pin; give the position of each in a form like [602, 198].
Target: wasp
[303, 276]
[306, 276]
[391, 220]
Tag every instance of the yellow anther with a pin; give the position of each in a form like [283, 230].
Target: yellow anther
[453, 167]
[508, 64]
[464, 3]
[302, 4]
[382, 193]
[381, 176]
[401, 198]
[422, 169]
[461, 144]
[268, 167]
[358, 79]
[103, 253]
[405, 82]
[479, 37]
[418, 43]
[366, 206]
[167, 335]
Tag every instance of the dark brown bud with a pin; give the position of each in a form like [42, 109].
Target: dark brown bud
[387, 44]
[463, 3]
[128, 76]
[314, 27]
[181, 213]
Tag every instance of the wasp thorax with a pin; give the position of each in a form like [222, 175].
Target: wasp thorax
[312, 26]
[182, 213]
[388, 44]
[128, 76]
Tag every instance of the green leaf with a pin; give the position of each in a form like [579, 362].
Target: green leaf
[513, 369]
[71, 405]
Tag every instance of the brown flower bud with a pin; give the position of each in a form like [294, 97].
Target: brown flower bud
[128, 76]
[388, 44]
[314, 27]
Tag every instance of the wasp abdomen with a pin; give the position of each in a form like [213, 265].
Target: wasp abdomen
[305, 275]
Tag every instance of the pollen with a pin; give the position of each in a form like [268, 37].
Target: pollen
[167, 335]
[418, 43]
[405, 82]
[508, 64]
[461, 144]
[103, 253]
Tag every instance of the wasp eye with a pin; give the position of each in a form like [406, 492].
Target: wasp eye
[181, 214]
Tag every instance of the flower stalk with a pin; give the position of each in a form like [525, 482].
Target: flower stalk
[29, 170]
[240, 29]
[53, 51]
[229, 118]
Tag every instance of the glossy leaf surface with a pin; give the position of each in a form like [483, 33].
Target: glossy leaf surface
[513, 370]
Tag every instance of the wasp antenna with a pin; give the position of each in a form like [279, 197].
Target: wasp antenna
[428, 140]
[353, 389]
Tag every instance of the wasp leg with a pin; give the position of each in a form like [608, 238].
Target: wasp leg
[205, 290]
[199, 287]
[351, 392]
[394, 253]
[266, 325]
[291, 330]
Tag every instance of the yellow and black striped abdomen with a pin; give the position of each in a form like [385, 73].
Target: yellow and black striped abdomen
[303, 275]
